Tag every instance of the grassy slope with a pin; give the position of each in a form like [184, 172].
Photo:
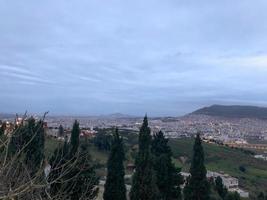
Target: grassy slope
[219, 158]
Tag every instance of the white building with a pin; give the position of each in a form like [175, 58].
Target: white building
[228, 181]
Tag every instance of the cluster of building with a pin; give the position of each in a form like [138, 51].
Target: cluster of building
[225, 130]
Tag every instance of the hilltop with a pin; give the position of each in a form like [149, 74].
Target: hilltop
[233, 111]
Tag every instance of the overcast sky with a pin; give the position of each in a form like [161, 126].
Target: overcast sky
[163, 57]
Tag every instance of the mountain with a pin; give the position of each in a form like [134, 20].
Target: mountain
[233, 111]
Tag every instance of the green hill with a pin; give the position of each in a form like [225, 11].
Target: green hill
[234, 111]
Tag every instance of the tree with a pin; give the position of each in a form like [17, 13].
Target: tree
[2, 128]
[60, 131]
[115, 187]
[21, 174]
[84, 186]
[29, 140]
[103, 140]
[232, 196]
[242, 168]
[220, 188]
[74, 139]
[144, 181]
[197, 186]
[168, 176]
[73, 172]
[261, 196]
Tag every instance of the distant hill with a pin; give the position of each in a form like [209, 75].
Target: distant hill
[7, 116]
[234, 111]
[117, 116]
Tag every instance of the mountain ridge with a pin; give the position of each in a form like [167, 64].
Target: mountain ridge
[233, 111]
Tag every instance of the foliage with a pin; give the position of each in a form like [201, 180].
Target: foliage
[197, 186]
[2, 128]
[60, 131]
[261, 196]
[232, 196]
[168, 176]
[144, 180]
[220, 188]
[79, 180]
[242, 168]
[115, 186]
[74, 138]
[28, 141]
[103, 140]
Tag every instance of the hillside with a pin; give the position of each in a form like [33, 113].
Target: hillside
[234, 111]
[218, 158]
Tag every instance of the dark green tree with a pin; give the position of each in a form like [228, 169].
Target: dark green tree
[261, 196]
[29, 140]
[232, 196]
[84, 186]
[168, 176]
[220, 188]
[60, 131]
[2, 128]
[197, 186]
[103, 140]
[73, 172]
[144, 185]
[115, 187]
[74, 139]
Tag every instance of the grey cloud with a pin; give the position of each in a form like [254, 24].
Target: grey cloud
[161, 57]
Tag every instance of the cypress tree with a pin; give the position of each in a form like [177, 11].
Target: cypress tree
[73, 169]
[197, 186]
[60, 131]
[35, 152]
[84, 186]
[115, 187]
[168, 176]
[220, 188]
[74, 139]
[144, 180]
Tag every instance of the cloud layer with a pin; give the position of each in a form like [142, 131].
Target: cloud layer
[160, 57]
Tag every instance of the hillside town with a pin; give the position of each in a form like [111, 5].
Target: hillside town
[227, 130]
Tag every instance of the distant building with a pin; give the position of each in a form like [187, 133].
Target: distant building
[261, 157]
[88, 133]
[228, 181]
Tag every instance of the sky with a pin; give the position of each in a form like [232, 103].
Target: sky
[94, 57]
